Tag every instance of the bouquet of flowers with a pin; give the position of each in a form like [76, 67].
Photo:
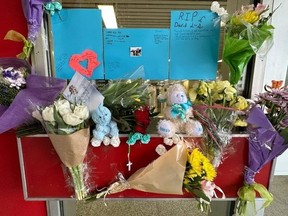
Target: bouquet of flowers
[268, 128]
[67, 125]
[217, 106]
[122, 97]
[247, 32]
[19, 88]
[155, 177]
[198, 178]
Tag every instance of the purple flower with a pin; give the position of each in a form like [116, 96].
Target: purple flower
[15, 78]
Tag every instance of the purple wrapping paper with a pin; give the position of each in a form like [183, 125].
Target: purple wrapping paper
[33, 12]
[40, 91]
[265, 143]
[14, 62]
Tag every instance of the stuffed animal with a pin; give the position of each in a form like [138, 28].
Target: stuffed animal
[106, 130]
[178, 115]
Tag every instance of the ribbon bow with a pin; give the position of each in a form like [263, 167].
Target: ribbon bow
[52, 7]
[133, 138]
[247, 195]
[180, 110]
[209, 188]
[18, 37]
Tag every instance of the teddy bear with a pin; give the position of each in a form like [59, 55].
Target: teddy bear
[106, 130]
[178, 115]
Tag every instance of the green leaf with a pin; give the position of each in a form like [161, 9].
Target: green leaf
[60, 123]
[200, 194]
[236, 54]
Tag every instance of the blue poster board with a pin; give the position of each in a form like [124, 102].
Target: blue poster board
[194, 45]
[74, 31]
[125, 50]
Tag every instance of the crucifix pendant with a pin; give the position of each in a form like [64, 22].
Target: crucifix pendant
[129, 164]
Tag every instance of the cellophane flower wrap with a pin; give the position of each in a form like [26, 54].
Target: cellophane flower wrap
[164, 175]
[268, 138]
[67, 125]
[19, 88]
[218, 107]
[247, 33]
[124, 96]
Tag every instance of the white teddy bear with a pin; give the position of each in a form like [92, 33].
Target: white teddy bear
[178, 115]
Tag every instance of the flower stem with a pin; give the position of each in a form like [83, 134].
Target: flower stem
[78, 181]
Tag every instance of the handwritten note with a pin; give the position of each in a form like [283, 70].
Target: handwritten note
[194, 45]
[125, 50]
[80, 90]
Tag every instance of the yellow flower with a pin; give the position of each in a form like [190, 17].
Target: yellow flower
[250, 17]
[195, 159]
[230, 93]
[203, 89]
[210, 172]
[240, 123]
[191, 174]
[246, 17]
[221, 85]
[211, 85]
[217, 97]
[200, 166]
[241, 103]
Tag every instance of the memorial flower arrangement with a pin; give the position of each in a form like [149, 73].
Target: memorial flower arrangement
[218, 107]
[268, 138]
[198, 178]
[128, 101]
[122, 97]
[19, 88]
[247, 32]
[164, 175]
[67, 125]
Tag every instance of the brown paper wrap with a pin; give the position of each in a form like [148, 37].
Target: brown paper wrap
[71, 148]
[164, 175]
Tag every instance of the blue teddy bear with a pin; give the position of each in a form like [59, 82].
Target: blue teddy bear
[106, 130]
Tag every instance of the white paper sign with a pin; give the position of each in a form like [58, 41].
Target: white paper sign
[81, 90]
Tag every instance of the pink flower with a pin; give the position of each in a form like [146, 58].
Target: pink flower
[260, 8]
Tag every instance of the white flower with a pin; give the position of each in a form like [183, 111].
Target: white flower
[215, 7]
[160, 149]
[63, 106]
[48, 114]
[37, 115]
[81, 111]
[72, 119]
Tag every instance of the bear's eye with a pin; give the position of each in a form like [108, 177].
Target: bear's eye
[106, 114]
